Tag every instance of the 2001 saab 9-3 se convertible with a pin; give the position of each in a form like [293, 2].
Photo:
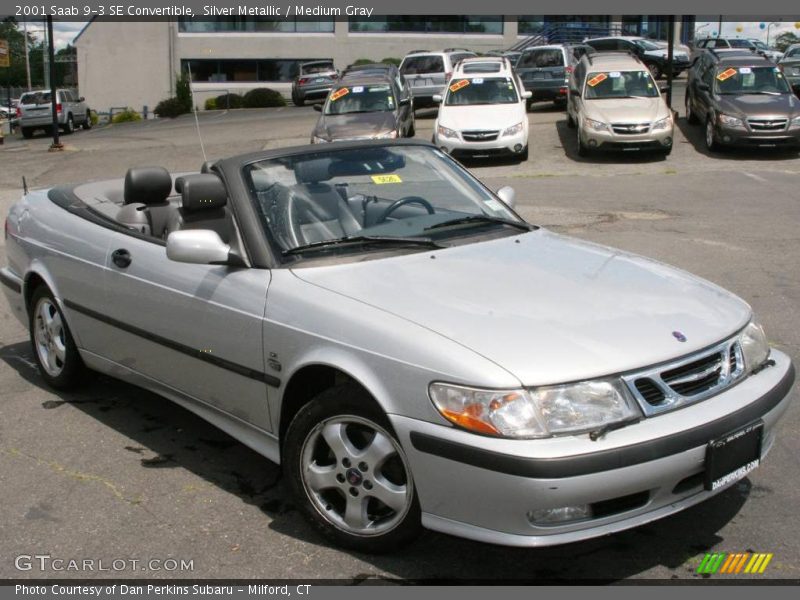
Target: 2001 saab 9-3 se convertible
[411, 350]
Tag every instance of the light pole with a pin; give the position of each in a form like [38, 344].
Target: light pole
[768, 28]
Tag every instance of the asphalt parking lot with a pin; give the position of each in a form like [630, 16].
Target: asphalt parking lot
[114, 472]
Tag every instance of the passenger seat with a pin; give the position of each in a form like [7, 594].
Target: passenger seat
[203, 206]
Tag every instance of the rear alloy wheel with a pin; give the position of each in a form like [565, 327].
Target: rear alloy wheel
[711, 136]
[87, 124]
[69, 126]
[655, 70]
[54, 349]
[349, 473]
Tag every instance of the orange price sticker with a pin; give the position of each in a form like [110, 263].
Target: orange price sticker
[459, 84]
[726, 74]
[339, 93]
[597, 79]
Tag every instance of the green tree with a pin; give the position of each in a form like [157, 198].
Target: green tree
[786, 39]
[15, 74]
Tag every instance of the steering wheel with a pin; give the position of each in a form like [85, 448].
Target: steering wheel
[402, 202]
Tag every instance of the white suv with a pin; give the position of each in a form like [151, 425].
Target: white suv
[483, 110]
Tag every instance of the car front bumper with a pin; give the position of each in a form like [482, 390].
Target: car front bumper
[508, 145]
[737, 136]
[485, 488]
[660, 139]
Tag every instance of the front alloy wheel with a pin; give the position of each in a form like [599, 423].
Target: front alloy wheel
[349, 472]
[711, 136]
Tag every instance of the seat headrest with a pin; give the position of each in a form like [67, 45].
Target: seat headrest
[147, 185]
[202, 191]
[313, 171]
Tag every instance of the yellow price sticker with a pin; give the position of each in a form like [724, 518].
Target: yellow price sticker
[380, 179]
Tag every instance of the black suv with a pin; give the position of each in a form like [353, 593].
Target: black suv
[651, 54]
[743, 99]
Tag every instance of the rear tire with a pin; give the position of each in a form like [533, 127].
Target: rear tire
[87, 124]
[299, 101]
[54, 350]
[412, 130]
[349, 474]
[69, 126]
[27, 132]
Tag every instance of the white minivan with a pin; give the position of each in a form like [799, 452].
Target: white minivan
[482, 112]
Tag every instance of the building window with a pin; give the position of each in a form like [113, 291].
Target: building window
[530, 24]
[255, 25]
[431, 24]
[244, 71]
[562, 26]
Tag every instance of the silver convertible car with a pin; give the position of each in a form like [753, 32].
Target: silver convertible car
[406, 346]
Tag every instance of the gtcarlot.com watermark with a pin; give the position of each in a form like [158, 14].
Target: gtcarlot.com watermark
[46, 563]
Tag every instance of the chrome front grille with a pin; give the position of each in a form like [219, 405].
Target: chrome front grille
[630, 128]
[687, 380]
[479, 135]
[768, 124]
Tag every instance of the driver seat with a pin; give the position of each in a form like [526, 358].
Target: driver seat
[316, 210]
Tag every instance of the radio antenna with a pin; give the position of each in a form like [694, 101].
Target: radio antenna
[24, 186]
[196, 119]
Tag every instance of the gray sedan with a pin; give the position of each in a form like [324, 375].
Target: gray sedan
[408, 348]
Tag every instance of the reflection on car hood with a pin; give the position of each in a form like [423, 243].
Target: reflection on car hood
[678, 56]
[356, 125]
[547, 308]
[626, 110]
[493, 117]
[760, 105]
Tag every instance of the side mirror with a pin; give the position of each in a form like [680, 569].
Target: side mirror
[197, 246]
[318, 107]
[527, 94]
[404, 101]
[437, 98]
[507, 195]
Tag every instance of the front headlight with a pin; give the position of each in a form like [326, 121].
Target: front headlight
[596, 125]
[537, 412]
[730, 121]
[446, 132]
[514, 129]
[755, 348]
[796, 122]
[387, 135]
[319, 140]
[662, 123]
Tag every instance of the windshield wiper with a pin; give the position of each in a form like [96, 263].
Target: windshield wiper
[483, 219]
[364, 240]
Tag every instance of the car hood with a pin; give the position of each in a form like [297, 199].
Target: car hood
[676, 55]
[760, 105]
[494, 117]
[627, 110]
[356, 125]
[546, 308]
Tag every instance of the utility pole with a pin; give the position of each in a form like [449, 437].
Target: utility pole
[56, 145]
[27, 57]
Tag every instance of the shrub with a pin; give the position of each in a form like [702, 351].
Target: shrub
[229, 101]
[126, 116]
[363, 61]
[263, 98]
[392, 61]
[169, 108]
[183, 92]
[211, 104]
[93, 117]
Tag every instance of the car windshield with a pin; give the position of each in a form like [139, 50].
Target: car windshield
[750, 80]
[401, 194]
[645, 45]
[316, 68]
[542, 58]
[481, 90]
[360, 99]
[35, 98]
[740, 43]
[620, 84]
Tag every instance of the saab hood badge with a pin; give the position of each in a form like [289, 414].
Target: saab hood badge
[679, 336]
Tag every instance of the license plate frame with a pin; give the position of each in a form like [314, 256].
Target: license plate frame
[733, 456]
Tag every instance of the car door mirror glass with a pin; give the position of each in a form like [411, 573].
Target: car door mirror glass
[404, 101]
[437, 98]
[507, 195]
[527, 94]
[197, 246]
[318, 107]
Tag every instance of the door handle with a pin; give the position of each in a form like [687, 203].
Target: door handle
[121, 258]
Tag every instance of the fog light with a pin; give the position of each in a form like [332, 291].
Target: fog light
[518, 148]
[593, 143]
[550, 516]
[667, 141]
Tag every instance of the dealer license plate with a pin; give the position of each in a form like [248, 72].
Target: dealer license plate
[733, 456]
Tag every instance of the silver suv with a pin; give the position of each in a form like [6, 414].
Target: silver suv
[428, 72]
[34, 112]
[615, 104]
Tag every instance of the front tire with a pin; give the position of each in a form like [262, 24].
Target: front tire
[691, 118]
[349, 473]
[711, 137]
[56, 355]
[583, 149]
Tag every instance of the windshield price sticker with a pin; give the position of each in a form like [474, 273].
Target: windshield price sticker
[726, 74]
[600, 77]
[459, 84]
[381, 179]
[745, 70]
[358, 89]
[615, 74]
[339, 93]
